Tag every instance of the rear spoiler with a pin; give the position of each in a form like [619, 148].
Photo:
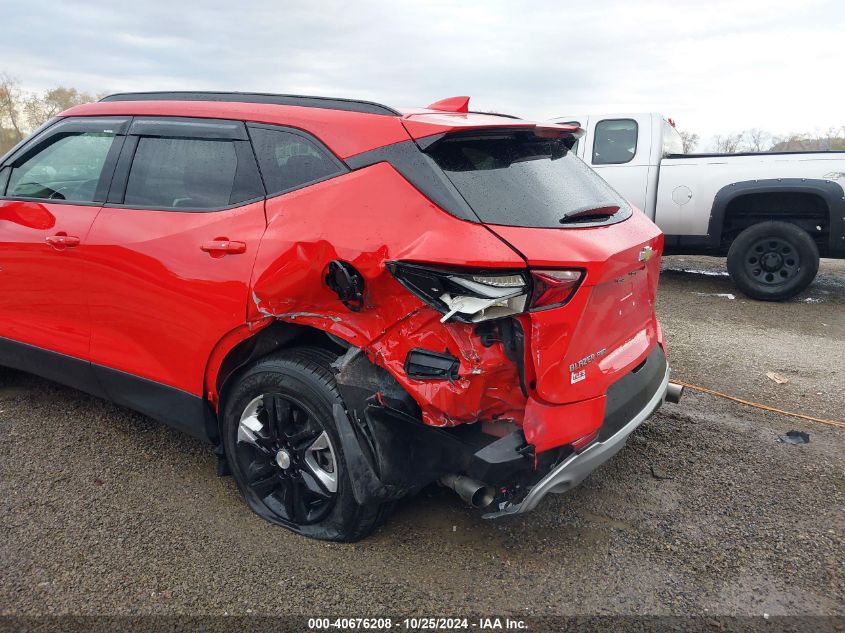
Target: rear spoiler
[452, 116]
[569, 134]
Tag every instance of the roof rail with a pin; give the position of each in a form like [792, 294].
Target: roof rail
[350, 105]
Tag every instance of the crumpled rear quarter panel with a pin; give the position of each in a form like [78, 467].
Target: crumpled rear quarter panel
[367, 218]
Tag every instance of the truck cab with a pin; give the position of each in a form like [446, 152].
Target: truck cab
[626, 150]
[773, 214]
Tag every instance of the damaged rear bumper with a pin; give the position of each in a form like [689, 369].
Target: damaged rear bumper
[576, 467]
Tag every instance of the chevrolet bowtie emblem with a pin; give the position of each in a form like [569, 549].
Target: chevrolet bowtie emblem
[646, 254]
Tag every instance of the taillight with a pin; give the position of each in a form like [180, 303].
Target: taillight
[467, 296]
[553, 287]
[473, 296]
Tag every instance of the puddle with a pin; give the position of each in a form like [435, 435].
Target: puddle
[725, 295]
[693, 271]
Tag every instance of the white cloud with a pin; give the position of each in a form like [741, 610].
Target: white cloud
[716, 67]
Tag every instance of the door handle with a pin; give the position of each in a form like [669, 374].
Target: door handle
[222, 247]
[61, 241]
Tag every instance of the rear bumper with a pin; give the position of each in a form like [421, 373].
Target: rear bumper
[575, 468]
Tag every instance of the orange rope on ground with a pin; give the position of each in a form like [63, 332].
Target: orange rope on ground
[837, 423]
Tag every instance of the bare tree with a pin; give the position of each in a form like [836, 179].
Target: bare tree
[831, 139]
[838, 142]
[727, 143]
[11, 103]
[756, 140]
[790, 143]
[689, 140]
[40, 108]
[804, 142]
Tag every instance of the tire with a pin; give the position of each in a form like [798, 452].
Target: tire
[284, 451]
[773, 261]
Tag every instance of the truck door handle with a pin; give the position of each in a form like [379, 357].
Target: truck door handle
[61, 241]
[222, 247]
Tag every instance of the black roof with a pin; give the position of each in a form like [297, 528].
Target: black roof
[350, 105]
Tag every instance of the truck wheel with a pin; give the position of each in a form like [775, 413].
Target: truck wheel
[772, 261]
[285, 453]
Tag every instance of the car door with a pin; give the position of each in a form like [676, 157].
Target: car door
[619, 150]
[172, 253]
[52, 189]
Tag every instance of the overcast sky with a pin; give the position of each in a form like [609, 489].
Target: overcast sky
[716, 67]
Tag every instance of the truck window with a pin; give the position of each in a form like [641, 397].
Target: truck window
[615, 141]
[672, 143]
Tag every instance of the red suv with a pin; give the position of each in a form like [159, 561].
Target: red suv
[349, 301]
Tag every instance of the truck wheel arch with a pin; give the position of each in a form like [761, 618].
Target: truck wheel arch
[813, 199]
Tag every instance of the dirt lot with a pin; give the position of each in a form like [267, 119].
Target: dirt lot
[705, 512]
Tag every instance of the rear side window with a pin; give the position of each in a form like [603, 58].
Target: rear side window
[288, 161]
[672, 141]
[189, 173]
[614, 141]
[526, 181]
[68, 169]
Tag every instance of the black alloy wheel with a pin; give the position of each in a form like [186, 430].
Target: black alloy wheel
[288, 458]
[284, 449]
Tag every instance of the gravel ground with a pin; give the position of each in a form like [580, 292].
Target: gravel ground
[705, 512]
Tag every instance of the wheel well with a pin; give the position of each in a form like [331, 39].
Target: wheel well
[278, 335]
[806, 210]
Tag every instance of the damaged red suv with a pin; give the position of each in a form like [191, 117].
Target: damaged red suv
[349, 301]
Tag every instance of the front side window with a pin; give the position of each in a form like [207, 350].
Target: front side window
[183, 173]
[4, 178]
[288, 160]
[68, 169]
[614, 142]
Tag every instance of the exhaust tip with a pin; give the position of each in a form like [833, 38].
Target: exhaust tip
[475, 493]
[674, 392]
[483, 497]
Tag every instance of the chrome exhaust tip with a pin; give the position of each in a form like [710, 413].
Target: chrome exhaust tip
[674, 391]
[475, 493]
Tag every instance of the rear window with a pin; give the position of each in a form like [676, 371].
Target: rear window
[672, 141]
[527, 181]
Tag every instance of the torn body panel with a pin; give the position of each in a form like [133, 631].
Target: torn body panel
[394, 453]
[289, 283]
[552, 384]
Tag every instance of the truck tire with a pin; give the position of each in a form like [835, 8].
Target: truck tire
[285, 453]
[773, 261]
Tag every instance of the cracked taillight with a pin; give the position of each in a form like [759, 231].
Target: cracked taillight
[474, 296]
[553, 287]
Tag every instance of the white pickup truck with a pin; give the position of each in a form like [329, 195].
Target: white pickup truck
[772, 214]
